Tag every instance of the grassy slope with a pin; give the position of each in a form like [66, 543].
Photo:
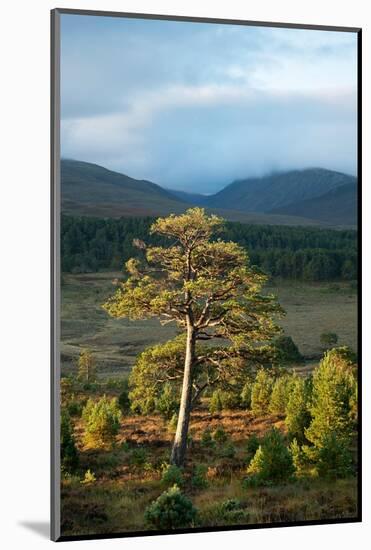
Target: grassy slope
[117, 500]
[311, 310]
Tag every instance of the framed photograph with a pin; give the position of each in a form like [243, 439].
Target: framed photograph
[206, 205]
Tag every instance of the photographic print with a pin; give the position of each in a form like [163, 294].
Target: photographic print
[205, 275]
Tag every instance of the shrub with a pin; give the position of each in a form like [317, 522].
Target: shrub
[252, 446]
[227, 451]
[272, 461]
[88, 478]
[207, 440]
[334, 459]
[280, 394]
[69, 454]
[297, 412]
[220, 436]
[86, 366]
[123, 400]
[199, 480]
[332, 397]
[138, 457]
[261, 392]
[298, 456]
[172, 475]
[102, 422]
[329, 339]
[171, 510]
[216, 404]
[167, 404]
[245, 396]
[287, 351]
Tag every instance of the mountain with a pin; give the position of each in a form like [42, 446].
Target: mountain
[272, 192]
[338, 205]
[91, 189]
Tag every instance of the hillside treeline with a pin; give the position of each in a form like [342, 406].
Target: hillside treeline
[302, 253]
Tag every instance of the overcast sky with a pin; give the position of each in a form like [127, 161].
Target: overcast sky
[194, 106]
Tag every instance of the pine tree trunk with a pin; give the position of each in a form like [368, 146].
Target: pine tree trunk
[180, 442]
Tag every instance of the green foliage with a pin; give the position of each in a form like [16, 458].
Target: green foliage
[280, 394]
[102, 422]
[298, 456]
[252, 445]
[86, 366]
[216, 404]
[207, 440]
[220, 436]
[69, 454]
[162, 361]
[297, 410]
[245, 398]
[171, 510]
[172, 475]
[227, 451]
[261, 392]
[90, 244]
[329, 339]
[223, 400]
[199, 480]
[123, 399]
[332, 397]
[167, 404]
[334, 459]
[286, 351]
[138, 457]
[89, 478]
[272, 461]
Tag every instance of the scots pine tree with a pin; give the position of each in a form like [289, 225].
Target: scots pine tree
[208, 289]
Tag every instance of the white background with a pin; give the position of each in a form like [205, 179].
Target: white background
[24, 288]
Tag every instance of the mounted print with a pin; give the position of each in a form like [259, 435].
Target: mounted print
[205, 274]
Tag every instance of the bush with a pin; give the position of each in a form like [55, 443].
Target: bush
[334, 459]
[245, 397]
[216, 404]
[69, 454]
[172, 475]
[199, 480]
[261, 392]
[272, 461]
[329, 339]
[287, 351]
[167, 404]
[86, 367]
[297, 410]
[227, 451]
[220, 436]
[333, 394]
[298, 456]
[88, 478]
[207, 440]
[123, 400]
[138, 457]
[280, 394]
[102, 422]
[171, 510]
[252, 446]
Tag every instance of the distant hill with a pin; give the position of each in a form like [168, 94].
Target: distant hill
[91, 190]
[191, 198]
[338, 205]
[275, 191]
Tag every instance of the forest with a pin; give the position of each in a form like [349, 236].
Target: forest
[300, 253]
[222, 424]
